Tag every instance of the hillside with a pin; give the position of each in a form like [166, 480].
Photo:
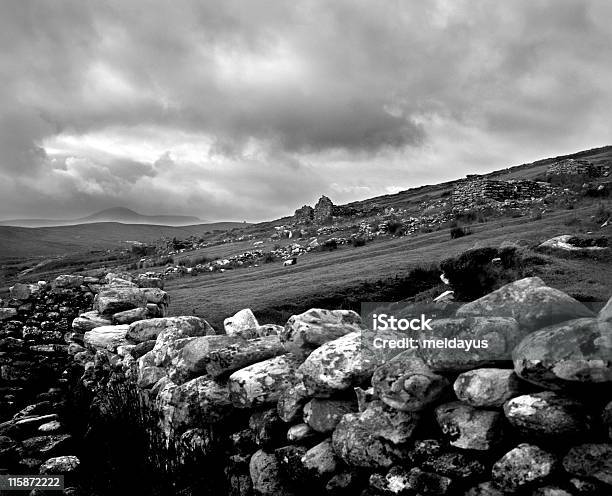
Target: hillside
[15, 242]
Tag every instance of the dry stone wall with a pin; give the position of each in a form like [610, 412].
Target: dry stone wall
[467, 194]
[307, 409]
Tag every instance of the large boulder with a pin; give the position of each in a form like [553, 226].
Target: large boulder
[307, 331]
[60, 465]
[571, 353]
[590, 460]
[336, 366]
[88, 321]
[375, 437]
[193, 356]
[460, 344]
[106, 337]
[291, 402]
[547, 414]
[21, 291]
[262, 383]
[487, 387]
[470, 428]
[241, 321]
[145, 330]
[406, 383]
[522, 467]
[199, 401]
[533, 304]
[117, 299]
[236, 356]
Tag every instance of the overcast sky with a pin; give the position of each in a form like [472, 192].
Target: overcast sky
[249, 109]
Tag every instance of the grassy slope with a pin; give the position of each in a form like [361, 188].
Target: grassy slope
[45, 241]
[318, 275]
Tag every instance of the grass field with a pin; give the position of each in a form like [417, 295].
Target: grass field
[274, 292]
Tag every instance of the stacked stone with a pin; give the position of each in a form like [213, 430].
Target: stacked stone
[578, 169]
[35, 325]
[466, 195]
[323, 210]
[304, 215]
[310, 408]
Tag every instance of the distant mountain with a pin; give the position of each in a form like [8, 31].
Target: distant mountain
[18, 242]
[117, 214]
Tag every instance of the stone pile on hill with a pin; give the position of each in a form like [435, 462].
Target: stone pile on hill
[310, 408]
[43, 328]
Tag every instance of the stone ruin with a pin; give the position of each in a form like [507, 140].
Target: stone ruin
[468, 194]
[309, 408]
[323, 212]
[571, 170]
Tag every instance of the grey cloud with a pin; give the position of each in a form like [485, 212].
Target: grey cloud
[309, 82]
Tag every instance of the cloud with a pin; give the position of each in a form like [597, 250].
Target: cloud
[248, 109]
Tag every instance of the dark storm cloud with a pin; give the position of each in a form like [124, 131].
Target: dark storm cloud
[249, 109]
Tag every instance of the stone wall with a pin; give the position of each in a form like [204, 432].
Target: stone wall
[308, 408]
[579, 170]
[469, 194]
[323, 212]
[42, 332]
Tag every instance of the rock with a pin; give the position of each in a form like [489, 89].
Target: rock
[7, 313]
[321, 461]
[572, 353]
[456, 465]
[45, 446]
[324, 415]
[336, 366]
[406, 383]
[547, 414]
[53, 427]
[21, 291]
[60, 465]
[268, 330]
[300, 432]
[469, 428]
[193, 355]
[344, 482]
[67, 281]
[551, 491]
[487, 387]
[129, 316]
[422, 482]
[484, 489]
[146, 330]
[88, 321]
[605, 313]
[533, 304]
[291, 401]
[590, 460]
[523, 466]
[307, 331]
[148, 376]
[242, 354]
[265, 474]
[118, 299]
[491, 340]
[106, 337]
[241, 321]
[198, 401]
[157, 296]
[372, 438]
[263, 382]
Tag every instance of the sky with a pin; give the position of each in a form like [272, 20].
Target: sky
[246, 110]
